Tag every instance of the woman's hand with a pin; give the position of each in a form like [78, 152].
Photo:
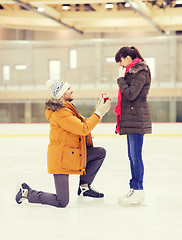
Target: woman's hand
[122, 71]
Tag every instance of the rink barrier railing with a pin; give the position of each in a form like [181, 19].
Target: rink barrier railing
[93, 135]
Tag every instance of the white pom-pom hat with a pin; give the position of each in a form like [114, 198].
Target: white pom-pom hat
[58, 88]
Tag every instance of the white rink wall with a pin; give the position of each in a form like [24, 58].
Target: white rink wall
[101, 129]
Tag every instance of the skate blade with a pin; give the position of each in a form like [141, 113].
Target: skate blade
[82, 199]
[132, 204]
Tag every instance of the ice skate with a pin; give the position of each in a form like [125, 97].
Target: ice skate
[134, 197]
[88, 195]
[22, 193]
[89, 192]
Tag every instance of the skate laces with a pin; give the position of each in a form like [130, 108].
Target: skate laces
[130, 193]
[93, 190]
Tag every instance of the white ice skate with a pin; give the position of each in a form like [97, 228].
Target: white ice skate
[134, 197]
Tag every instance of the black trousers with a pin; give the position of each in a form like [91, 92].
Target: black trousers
[95, 158]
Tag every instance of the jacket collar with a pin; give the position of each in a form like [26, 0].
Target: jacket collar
[73, 108]
[139, 67]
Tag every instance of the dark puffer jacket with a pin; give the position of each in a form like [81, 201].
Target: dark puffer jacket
[135, 113]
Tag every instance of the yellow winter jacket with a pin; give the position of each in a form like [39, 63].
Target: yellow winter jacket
[69, 136]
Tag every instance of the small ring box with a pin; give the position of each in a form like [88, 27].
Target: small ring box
[105, 97]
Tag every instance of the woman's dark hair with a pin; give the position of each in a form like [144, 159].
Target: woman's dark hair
[128, 51]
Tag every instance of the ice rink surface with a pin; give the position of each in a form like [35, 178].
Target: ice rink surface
[23, 159]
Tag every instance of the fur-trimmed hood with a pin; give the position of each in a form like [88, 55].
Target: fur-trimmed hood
[139, 67]
[53, 104]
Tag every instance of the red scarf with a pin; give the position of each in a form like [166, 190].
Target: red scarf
[117, 108]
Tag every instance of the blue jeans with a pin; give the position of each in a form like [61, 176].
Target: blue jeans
[135, 143]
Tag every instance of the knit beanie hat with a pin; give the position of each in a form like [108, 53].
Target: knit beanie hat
[57, 88]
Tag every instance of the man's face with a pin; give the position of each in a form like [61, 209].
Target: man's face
[68, 95]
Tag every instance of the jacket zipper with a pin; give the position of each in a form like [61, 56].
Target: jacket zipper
[85, 157]
[84, 166]
[121, 113]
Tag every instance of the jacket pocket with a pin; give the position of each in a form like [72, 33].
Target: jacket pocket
[71, 159]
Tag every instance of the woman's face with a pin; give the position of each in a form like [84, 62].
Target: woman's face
[124, 62]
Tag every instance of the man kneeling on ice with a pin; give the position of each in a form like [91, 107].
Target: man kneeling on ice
[70, 150]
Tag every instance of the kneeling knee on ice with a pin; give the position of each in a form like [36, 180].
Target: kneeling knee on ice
[62, 204]
[103, 151]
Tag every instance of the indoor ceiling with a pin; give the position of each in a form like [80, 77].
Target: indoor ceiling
[84, 16]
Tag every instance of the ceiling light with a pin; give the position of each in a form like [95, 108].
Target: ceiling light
[40, 9]
[66, 7]
[127, 5]
[109, 5]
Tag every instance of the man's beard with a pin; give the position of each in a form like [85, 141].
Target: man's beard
[69, 99]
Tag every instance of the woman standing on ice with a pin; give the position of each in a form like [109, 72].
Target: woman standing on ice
[133, 116]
